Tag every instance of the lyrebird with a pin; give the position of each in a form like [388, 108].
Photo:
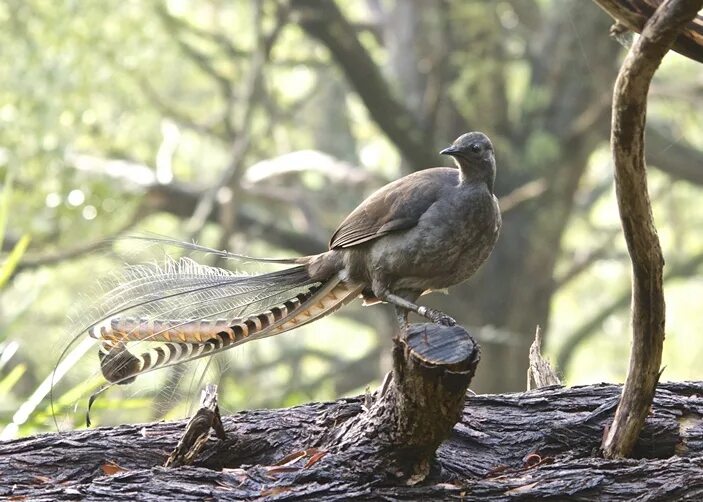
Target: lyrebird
[426, 231]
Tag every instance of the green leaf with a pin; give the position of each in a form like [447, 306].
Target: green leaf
[5, 204]
[7, 383]
[10, 264]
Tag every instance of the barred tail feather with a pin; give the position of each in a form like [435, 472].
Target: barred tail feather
[182, 341]
[150, 316]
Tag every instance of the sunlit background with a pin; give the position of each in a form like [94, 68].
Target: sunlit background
[257, 126]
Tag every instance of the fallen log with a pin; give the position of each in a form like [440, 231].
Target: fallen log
[534, 444]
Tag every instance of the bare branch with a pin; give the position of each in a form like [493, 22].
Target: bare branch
[180, 200]
[529, 191]
[674, 157]
[232, 173]
[325, 22]
[584, 262]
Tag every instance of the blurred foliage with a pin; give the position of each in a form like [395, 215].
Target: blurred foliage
[102, 101]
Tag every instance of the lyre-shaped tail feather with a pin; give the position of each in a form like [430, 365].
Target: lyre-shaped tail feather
[120, 365]
[200, 311]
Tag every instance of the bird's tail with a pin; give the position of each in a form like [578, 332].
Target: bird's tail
[159, 316]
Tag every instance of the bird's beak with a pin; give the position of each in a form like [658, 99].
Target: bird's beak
[450, 150]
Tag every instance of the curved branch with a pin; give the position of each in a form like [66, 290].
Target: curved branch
[627, 142]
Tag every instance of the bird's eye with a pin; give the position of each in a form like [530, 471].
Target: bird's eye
[475, 147]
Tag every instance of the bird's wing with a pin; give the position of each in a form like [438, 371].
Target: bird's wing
[396, 206]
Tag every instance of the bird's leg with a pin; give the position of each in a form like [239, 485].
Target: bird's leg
[404, 306]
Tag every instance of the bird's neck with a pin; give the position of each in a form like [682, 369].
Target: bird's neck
[482, 173]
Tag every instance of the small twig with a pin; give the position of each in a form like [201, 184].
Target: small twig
[627, 143]
[584, 262]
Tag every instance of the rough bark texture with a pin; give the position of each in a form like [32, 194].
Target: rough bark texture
[414, 411]
[197, 432]
[627, 143]
[528, 445]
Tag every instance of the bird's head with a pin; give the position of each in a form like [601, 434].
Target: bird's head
[474, 156]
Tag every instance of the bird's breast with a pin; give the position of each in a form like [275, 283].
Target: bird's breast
[451, 240]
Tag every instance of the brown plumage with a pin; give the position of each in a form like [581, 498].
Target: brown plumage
[426, 231]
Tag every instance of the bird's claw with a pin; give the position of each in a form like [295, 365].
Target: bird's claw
[445, 320]
[439, 317]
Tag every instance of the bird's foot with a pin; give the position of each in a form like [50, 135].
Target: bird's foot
[436, 316]
[444, 319]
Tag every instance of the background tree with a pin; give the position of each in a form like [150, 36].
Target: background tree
[180, 119]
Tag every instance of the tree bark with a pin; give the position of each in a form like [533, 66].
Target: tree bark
[529, 445]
